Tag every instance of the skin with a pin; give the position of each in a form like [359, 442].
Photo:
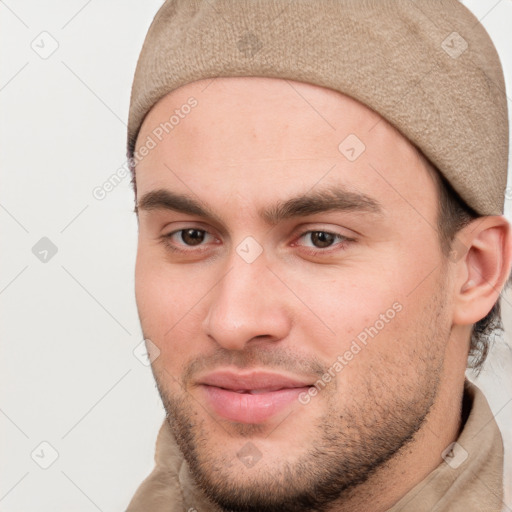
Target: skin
[248, 144]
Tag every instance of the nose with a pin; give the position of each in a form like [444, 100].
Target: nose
[247, 304]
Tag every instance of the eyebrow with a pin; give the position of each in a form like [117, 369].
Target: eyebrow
[324, 200]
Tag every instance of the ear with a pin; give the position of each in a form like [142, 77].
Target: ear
[483, 253]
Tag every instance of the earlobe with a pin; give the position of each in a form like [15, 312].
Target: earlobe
[484, 269]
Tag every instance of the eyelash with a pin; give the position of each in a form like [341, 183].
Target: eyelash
[341, 245]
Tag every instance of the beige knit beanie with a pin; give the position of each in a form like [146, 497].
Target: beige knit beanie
[428, 67]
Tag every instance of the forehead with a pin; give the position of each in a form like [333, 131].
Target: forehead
[268, 114]
[256, 136]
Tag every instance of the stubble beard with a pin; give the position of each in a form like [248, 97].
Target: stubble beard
[346, 446]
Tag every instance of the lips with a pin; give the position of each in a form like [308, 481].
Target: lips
[255, 391]
[250, 397]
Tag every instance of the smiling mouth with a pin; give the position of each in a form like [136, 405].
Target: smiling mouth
[254, 406]
[256, 391]
[250, 397]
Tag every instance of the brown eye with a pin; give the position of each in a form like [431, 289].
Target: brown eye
[320, 242]
[192, 236]
[190, 240]
[322, 239]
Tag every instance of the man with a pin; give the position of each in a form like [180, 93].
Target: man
[319, 190]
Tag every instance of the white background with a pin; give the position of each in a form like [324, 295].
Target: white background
[69, 326]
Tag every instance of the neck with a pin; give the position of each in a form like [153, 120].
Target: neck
[417, 459]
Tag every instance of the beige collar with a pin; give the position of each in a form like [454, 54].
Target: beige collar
[461, 484]
[470, 479]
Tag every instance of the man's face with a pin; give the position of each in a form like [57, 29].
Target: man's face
[300, 347]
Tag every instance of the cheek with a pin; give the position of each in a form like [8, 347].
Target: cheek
[378, 305]
[162, 292]
[169, 307]
[338, 305]
[156, 295]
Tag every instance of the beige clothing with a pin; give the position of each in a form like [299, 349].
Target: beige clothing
[469, 480]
